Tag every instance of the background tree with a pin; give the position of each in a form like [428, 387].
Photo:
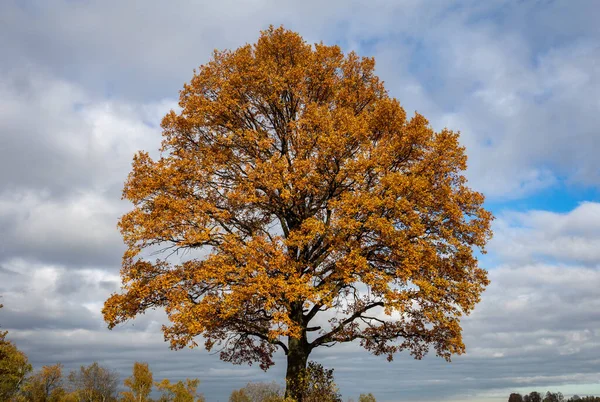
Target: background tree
[260, 392]
[140, 384]
[46, 385]
[515, 397]
[93, 383]
[366, 398]
[239, 395]
[311, 192]
[14, 367]
[180, 391]
[533, 397]
[553, 397]
[317, 385]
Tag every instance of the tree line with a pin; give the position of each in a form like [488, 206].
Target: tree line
[95, 383]
[550, 397]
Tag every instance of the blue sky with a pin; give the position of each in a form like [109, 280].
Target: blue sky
[83, 85]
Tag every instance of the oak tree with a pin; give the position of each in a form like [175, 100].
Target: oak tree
[313, 211]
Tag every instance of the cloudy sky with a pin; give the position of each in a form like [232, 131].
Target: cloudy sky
[84, 84]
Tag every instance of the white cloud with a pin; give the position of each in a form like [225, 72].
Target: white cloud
[39, 225]
[526, 106]
[564, 237]
[65, 157]
[56, 137]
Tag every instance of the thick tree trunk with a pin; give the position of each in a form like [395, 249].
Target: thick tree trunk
[297, 358]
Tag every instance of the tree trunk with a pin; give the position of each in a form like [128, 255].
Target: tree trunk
[297, 358]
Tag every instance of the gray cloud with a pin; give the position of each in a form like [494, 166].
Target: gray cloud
[61, 179]
[56, 138]
[78, 231]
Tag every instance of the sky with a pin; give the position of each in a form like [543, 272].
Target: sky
[84, 85]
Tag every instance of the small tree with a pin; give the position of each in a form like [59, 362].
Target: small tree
[534, 397]
[14, 367]
[180, 391]
[366, 398]
[46, 385]
[317, 385]
[259, 392]
[553, 397]
[239, 395]
[93, 383]
[515, 397]
[140, 384]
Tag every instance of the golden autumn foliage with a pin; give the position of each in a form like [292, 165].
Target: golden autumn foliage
[310, 194]
[46, 385]
[139, 384]
[366, 398]
[14, 367]
[179, 391]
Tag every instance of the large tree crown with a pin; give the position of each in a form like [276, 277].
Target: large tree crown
[312, 193]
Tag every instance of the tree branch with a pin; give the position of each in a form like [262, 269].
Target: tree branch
[272, 341]
[328, 337]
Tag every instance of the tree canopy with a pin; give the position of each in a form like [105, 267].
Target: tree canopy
[46, 385]
[322, 213]
[94, 383]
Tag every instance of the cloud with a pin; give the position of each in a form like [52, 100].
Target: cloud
[63, 169]
[79, 231]
[545, 235]
[56, 137]
[522, 94]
